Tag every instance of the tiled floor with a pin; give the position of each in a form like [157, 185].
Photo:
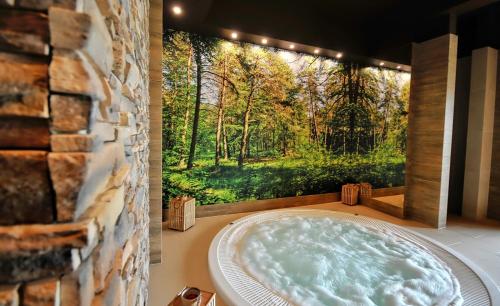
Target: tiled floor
[185, 254]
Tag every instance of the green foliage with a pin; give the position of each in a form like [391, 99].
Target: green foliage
[283, 177]
[297, 124]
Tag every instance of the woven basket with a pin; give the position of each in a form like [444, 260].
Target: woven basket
[181, 213]
[350, 194]
[365, 190]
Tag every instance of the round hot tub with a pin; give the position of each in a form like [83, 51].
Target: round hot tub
[318, 257]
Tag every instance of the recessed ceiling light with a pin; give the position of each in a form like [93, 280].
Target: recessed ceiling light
[234, 35]
[316, 51]
[398, 67]
[382, 63]
[292, 46]
[177, 10]
[338, 55]
[264, 41]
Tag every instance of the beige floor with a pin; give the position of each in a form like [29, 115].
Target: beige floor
[185, 254]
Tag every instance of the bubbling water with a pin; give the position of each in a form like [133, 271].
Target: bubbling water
[329, 261]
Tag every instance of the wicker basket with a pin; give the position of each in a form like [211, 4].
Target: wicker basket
[350, 194]
[365, 190]
[181, 213]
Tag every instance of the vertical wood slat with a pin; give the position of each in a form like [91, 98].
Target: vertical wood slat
[155, 128]
[430, 124]
[494, 193]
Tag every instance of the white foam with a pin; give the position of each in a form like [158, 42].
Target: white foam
[329, 261]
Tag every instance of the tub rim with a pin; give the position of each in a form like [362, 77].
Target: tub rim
[231, 297]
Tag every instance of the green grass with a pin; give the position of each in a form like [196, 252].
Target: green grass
[280, 177]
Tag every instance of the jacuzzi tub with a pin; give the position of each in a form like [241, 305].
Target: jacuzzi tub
[237, 285]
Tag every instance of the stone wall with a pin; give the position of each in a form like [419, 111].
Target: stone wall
[74, 126]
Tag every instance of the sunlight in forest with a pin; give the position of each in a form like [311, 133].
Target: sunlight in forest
[245, 122]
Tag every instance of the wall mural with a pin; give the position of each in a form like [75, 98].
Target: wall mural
[245, 122]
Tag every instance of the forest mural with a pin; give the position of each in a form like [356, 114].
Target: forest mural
[244, 122]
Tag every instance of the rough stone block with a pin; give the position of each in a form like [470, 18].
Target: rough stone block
[119, 58]
[41, 293]
[70, 113]
[127, 106]
[78, 178]
[68, 172]
[74, 143]
[124, 228]
[9, 295]
[24, 31]
[77, 288]
[113, 290]
[24, 133]
[104, 131]
[71, 72]
[23, 86]
[45, 4]
[30, 252]
[105, 211]
[82, 31]
[108, 8]
[104, 106]
[25, 191]
[68, 29]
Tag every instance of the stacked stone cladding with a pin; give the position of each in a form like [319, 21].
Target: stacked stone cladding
[74, 148]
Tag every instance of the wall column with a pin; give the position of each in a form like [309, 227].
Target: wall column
[430, 125]
[480, 133]
[155, 129]
[494, 192]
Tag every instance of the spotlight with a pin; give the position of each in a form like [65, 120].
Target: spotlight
[316, 51]
[177, 10]
[382, 63]
[292, 46]
[338, 55]
[264, 41]
[398, 67]
[234, 35]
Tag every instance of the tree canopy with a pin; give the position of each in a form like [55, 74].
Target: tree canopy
[231, 105]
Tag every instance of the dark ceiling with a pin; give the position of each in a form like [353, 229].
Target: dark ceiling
[382, 29]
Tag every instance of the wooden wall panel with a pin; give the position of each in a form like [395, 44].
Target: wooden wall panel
[494, 194]
[288, 202]
[155, 110]
[430, 128]
[480, 133]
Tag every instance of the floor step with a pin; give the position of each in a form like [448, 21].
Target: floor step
[391, 205]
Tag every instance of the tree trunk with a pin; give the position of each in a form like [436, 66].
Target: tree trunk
[248, 145]
[186, 114]
[196, 117]
[244, 136]
[220, 116]
[314, 123]
[284, 148]
[224, 138]
[353, 85]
